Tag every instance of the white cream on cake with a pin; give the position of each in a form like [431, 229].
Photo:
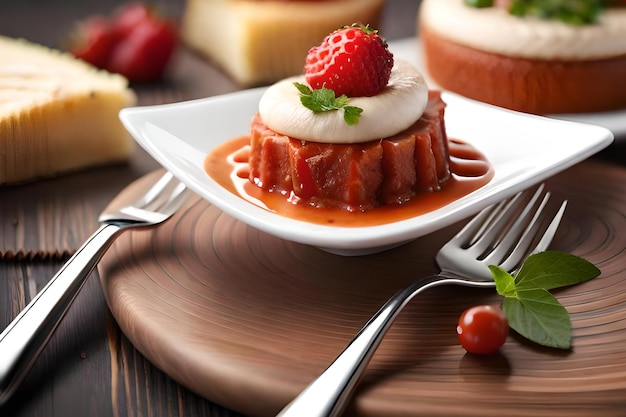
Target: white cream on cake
[494, 30]
[396, 108]
[57, 113]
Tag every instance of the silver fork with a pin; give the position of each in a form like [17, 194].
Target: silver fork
[25, 337]
[503, 234]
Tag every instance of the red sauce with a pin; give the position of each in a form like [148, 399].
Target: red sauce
[228, 166]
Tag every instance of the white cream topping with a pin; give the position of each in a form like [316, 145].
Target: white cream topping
[494, 30]
[396, 108]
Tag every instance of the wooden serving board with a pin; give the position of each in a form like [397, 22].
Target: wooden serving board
[247, 320]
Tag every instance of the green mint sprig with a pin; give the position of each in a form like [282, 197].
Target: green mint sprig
[324, 100]
[528, 305]
[573, 12]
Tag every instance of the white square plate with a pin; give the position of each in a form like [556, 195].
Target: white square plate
[523, 149]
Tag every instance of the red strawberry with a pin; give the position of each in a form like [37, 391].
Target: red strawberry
[136, 42]
[144, 53]
[128, 16]
[92, 41]
[353, 61]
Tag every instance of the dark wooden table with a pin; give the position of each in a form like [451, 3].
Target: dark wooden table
[89, 368]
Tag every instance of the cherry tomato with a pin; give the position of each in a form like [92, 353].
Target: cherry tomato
[482, 329]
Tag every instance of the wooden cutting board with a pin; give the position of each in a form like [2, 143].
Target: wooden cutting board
[247, 320]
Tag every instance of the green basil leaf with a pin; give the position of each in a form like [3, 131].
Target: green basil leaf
[538, 316]
[505, 284]
[552, 269]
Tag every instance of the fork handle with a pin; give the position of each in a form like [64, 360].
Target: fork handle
[25, 337]
[328, 395]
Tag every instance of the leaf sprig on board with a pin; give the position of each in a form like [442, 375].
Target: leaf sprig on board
[532, 311]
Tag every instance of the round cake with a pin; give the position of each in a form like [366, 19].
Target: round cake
[527, 64]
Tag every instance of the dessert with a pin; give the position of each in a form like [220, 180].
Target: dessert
[258, 42]
[57, 114]
[526, 63]
[394, 147]
[316, 154]
[355, 177]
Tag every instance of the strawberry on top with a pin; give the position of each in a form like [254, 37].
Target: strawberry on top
[354, 61]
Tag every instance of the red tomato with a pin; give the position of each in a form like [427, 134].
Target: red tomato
[92, 41]
[482, 329]
[143, 54]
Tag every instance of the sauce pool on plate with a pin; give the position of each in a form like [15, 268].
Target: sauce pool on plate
[228, 166]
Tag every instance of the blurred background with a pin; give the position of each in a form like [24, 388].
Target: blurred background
[187, 76]
[50, 20]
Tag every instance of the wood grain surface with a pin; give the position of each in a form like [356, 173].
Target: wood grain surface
[247, 320]
[91, 368]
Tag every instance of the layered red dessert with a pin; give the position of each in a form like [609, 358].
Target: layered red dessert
[358, 132]
[359, 176]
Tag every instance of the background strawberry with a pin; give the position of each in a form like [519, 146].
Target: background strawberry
[136, 42]
[143, 55]
[92, 41]
[353, 61]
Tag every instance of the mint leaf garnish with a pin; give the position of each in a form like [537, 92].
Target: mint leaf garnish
[578, 12]
[479, 4]
[553, 269]
[351, 114]
[573, 12]
[530, 309]
[324, 100]
[538, 316]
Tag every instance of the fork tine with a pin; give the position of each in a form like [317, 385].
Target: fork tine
[155, 191]
[513, 247]
[177, 198]
[477, 226]
[503, 234]
[163, 206]
[160, 194]
[525, 232]
[501, 223]
[158, 203]
[548, 235]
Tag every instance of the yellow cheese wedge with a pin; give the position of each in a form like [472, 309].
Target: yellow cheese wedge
[260, 42]
[57, 113]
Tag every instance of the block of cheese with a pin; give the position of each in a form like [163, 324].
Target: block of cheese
[260, 42]
[57, 113]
